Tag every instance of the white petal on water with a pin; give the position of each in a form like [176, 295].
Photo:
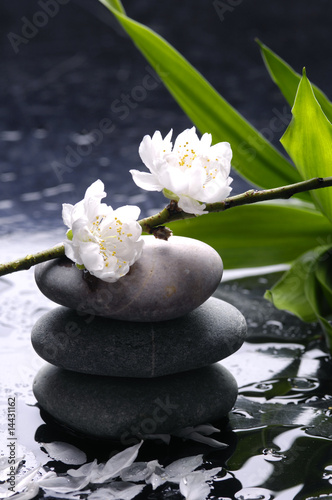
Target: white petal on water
[135, 472]
[194, 486]
[163, 437]
[86, 470]
[118, 490]
[27, 494]
[4, 492]
[139, 471]
[209, 474]
[156, 479]
[64, 452]
[5, 467]
[205, 429]
[200, 433]
[66, 496]
[196, 436]
[183, 466]
[24, 486]
[77, 479]
[175, 471]
[63, 484]
[27, 478]
[3, 463]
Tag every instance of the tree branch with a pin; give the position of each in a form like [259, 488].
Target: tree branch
[173, 213]
[31, 260]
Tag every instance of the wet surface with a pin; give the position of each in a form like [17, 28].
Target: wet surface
[57, 90]
[279, 433]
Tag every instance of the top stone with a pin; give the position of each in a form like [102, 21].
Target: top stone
[171, 279]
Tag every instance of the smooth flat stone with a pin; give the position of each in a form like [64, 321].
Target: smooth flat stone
[103, 346]
[171, 279]
[120, 408]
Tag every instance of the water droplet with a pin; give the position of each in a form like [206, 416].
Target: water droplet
[272, 455]
[33, 196]
[40, 133]
[263, 387]
[83, 139]
[254, 494]
[8, 177]
[104, 162]
[312, 399]
[242, 413]
[327, 476]
[252, 324]
[274, 323]
[11, 135]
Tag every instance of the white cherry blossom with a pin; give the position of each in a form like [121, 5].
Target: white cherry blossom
[105, 241]
[192, 172]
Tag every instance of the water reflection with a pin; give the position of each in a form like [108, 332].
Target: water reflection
[254, 494]
[291, 456]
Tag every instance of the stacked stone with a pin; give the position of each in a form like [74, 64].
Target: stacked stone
[138, 356]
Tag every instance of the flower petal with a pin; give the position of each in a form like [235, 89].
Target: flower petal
[191, 206]
[64, 452]
[146, 181]
[91, 257]
[130, 212]
[193, 170]
[116, 464]
[67, 211]
[105, 241]
[117, 491]
[147, 149]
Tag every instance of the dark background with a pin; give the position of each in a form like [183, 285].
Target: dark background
[58, 88]
[62, 83]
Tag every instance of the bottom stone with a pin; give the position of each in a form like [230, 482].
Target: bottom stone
[122, 408]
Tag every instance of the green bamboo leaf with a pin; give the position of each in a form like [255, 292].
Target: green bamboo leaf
[260, 234]
[323, 274]
[292, 292]
[288, 80]
[308, 141]
[316, 296]
[253, 156]
[305, 290]
[115, 4]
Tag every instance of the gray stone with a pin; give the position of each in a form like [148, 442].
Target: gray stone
[171, 279]
[120, 408]
[104, 346]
